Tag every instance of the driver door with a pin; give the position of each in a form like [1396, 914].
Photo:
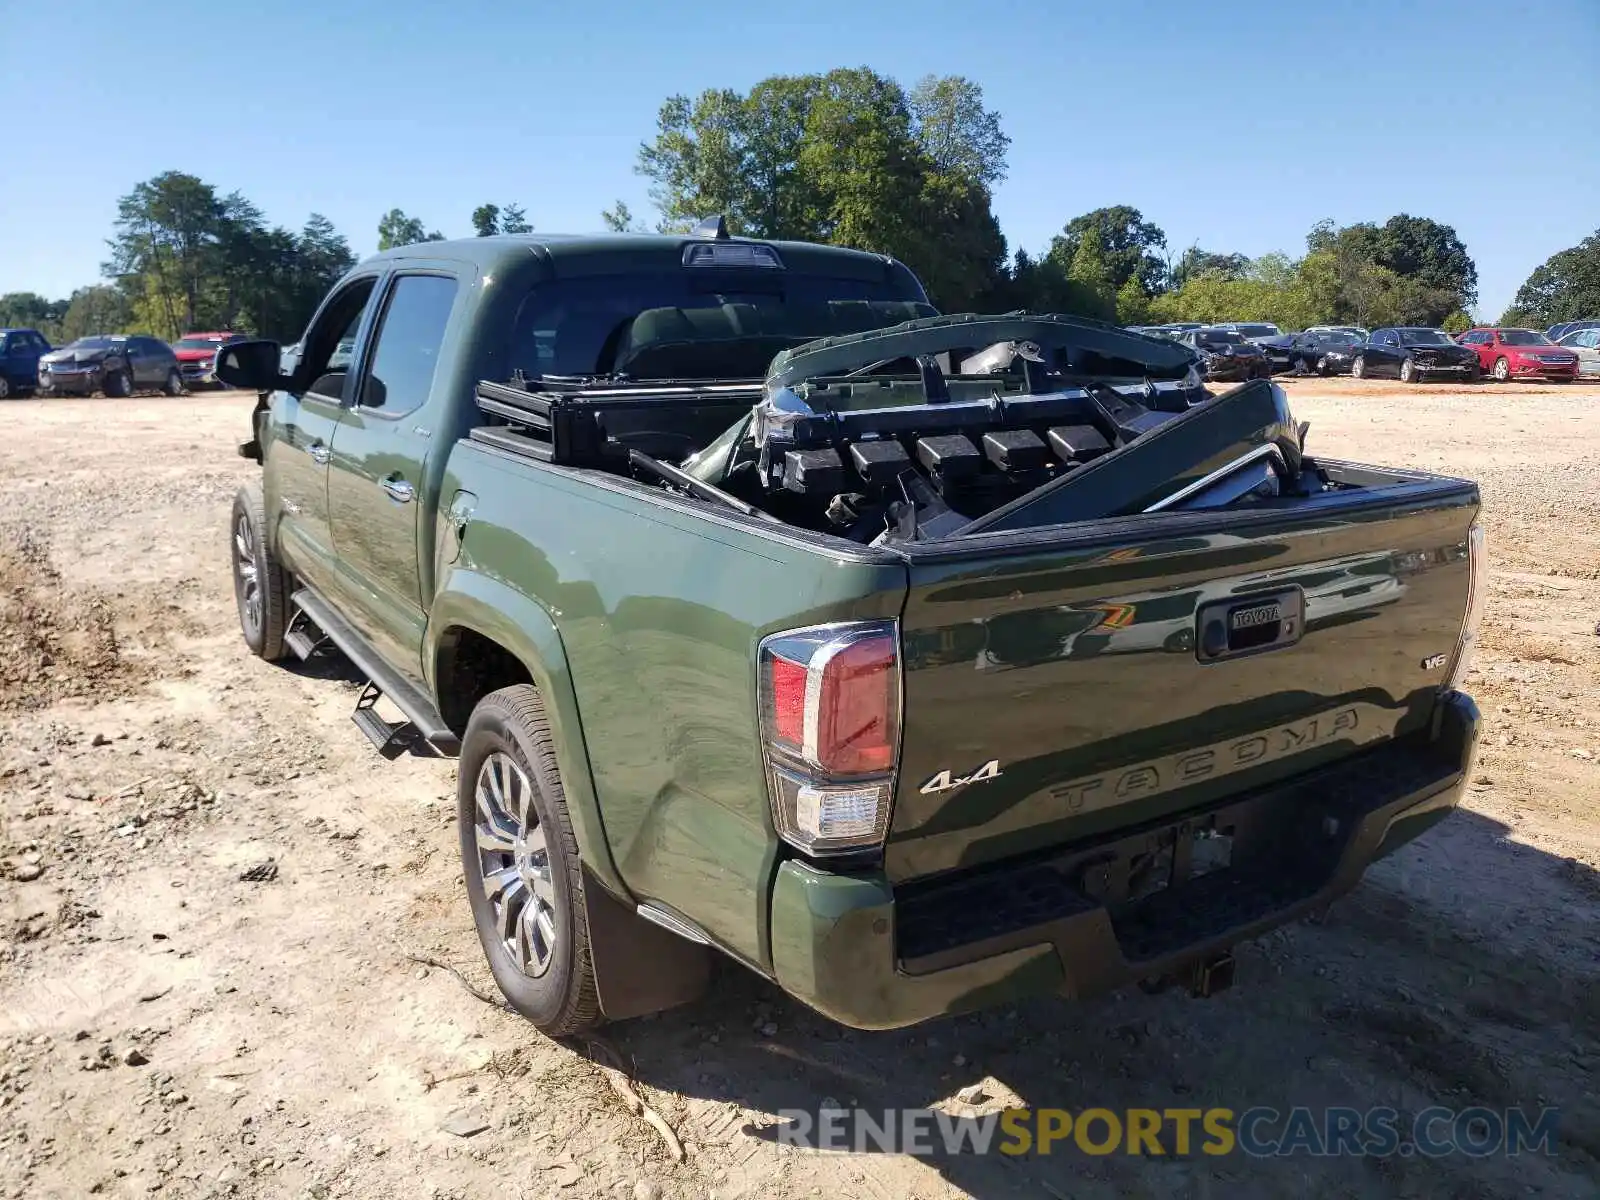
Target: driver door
[300, 441]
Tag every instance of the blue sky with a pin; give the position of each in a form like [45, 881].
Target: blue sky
[1235, 126]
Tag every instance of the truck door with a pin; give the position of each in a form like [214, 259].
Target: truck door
[301, 441]
[376, 485]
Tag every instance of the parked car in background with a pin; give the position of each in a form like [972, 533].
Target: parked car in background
[1413, 353]
[1252, 331]
[1327, 352]
[1358, 330]
[197, 356]
[116, 364]
[1556, 332]
[20, 350]
[1585, 343]
[1520, 354]
[1226, 355]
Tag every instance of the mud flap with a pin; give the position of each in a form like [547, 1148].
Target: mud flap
[639, 967]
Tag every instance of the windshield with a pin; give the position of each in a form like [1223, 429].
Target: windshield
[197, 343]
[1524, 337]
[96, 343]
[1219, 337]
[1424, 337]
[1251, 331]
[1331, 338]
[671, 324]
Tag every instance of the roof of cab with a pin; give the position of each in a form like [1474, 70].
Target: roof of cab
[605, 253]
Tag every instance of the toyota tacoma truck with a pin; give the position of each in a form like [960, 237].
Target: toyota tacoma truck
[917, 662]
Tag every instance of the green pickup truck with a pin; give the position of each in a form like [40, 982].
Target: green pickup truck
[918, 662]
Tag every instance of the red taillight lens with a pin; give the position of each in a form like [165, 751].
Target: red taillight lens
[856, 707]
[786, 685]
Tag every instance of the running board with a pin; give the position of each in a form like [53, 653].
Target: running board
[392, 738]
[302, 638]
[422, 720]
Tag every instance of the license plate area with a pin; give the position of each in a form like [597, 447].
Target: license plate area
[1249, 625]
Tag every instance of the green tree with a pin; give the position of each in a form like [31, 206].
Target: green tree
[32, 311]
[168, 247]
[1195, 261]
[397, 229]
[1128, 243]
[486, 220]
[845, 157]
[490, 219]
[514, 220]
[959, 135]
[1432, 255]
[99, 308]
[619, 218]
[1409, 270]
[1565, 287]
[1090, 269]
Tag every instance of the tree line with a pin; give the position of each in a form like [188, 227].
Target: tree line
[849, 157]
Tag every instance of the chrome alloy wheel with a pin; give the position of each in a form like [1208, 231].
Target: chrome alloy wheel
[514, 862]
[246, 578]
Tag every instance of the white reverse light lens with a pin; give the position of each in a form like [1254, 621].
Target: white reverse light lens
[834, 813]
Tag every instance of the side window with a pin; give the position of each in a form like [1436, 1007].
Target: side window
[410, 336]
[325, 354]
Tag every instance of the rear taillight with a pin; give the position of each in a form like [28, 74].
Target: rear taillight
[830, 729]
[1477, 593]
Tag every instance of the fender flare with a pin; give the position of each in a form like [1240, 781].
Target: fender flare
[492, 609]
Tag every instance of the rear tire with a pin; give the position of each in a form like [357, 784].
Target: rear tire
[5, 388]
[521, 866]
[260, 584]
[174, 384]
[1501, 370]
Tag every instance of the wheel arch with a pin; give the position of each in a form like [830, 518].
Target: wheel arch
[483, 635]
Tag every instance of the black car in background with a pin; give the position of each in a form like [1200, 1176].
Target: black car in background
[116, 364]
[1225, 355]
[1327, 352]
[1412, 353]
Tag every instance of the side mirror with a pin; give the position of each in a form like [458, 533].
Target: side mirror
[252, 366]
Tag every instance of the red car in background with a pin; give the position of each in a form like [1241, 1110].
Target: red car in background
[1505, 354]
[197, 356]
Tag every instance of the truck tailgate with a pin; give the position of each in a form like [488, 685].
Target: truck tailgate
[1067, 681]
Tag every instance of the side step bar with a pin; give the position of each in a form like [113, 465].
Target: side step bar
[422, 720]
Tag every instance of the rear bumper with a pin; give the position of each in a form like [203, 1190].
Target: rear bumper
[849, 947]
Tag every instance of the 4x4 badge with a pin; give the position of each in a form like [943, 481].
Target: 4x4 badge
[945, 782]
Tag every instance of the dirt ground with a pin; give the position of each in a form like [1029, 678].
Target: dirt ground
[213, 893]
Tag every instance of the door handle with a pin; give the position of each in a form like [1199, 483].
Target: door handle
[318, 452]
[399, 490]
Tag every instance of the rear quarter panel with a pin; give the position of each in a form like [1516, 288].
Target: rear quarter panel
[659, 606]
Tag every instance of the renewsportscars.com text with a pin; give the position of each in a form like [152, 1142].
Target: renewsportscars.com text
[1258, 1131]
